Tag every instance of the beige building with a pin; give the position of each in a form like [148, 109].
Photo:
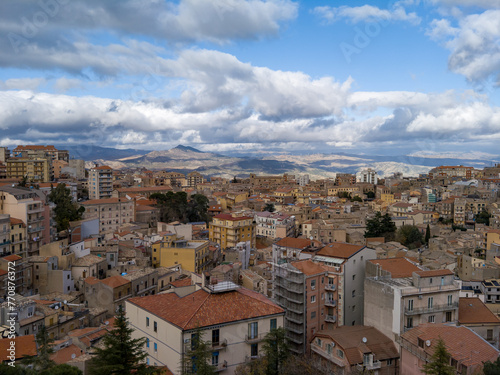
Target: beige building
[233, 319]
[228, 230]
[112, 212]
[100, 182]
[5, 242]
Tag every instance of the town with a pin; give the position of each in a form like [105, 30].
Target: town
[280, 274]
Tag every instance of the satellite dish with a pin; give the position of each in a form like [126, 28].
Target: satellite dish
[65, 302]
[428, 343]
[56, 307]
[73, 356]
[311, 238]
[364, 340]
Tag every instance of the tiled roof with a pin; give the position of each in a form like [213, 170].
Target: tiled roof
[308, 267]
[350, 338]
[88, 260]
[103, 167]
[14, 221]
[340, 250]
[115, 281]
[25, 347]
[204, 309]
[297, 243]
[105, 201]
[12, 258]
[460, 342]
[434, 273]
[142, 189]
[66, 354]
[91, 280]
[181, 282]
[473, 311]
[34, 147]
[232, 218]
[398, 267]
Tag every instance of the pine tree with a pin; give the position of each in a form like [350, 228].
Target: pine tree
[44, 344]
[66, 210]
[439, 364]
[121, 355]
[427, 234]
[276, 351]
[196, 360]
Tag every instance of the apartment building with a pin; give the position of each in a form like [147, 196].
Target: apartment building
[458, 171]
[111, 212]
[192, 255]
[194, 179]
[51, 151]
[308, 293]
[5, 240]
[355, 349]
[23, 272]
[348, 262]
[234, 320]
[18, 238]
[36, 169]
[274, 225]
[100, 182]
[26, 205]
[396, 302]
[368, 176]
[109, 293]
[290, 248]
[227, 230]
[475, 315]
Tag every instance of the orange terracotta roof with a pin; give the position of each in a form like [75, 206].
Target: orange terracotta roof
[181, 282]
[308, 267]
[473, 311]
[25, 347]
[66, 354]
[202, 309]
[398, 267]
[460, 342]
[12, 258]
[103, 167]
[230, 217]
[91, 280]
[14, 221]
[340, 250]
[434, 273]
[144, 189]
[297, 243]
[115, 281]
[104, 201]
[34, 147]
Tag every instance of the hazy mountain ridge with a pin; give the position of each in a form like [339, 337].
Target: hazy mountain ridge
[184, 159]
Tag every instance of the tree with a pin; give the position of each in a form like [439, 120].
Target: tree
[120, 354]
[483, 217]
[410, 236]
[370, 195]
[196, 360]
[66, 210]
[439, 363]
[63, 369]
[23, 182]
[357, 198]
[5, 369]
[198, 208]
[176, 207]
[427, 234]
[381, 226]
[492, 368]
[269, 207]
[275, 350]
[44, 344]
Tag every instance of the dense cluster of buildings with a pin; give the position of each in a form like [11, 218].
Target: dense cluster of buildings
[278, 251]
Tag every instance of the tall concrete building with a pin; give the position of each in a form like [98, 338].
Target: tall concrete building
[368, 176]
[100, 182]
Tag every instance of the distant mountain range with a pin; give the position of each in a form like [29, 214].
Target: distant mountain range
[185, 159]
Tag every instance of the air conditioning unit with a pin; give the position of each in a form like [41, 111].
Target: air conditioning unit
[420, 297]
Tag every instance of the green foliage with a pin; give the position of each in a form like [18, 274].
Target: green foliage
[23, 181]
[370, 195]
[344, 194]
[198, 358]
[483, 217]
[269, 207]
[66, 210]
[439, 364]
[410, 236]
[176, 207]
[62, 369]
[492, 368]
[357, 198]
[44, 344]
[17, 370]
[381, 226]
[121, 354]
[427, 234]
[276, 350]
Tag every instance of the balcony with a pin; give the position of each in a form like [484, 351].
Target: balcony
[433, 309]
[319, 350]
[254, 339]
[331, 318]
[330, 302]
[222, 344]
[375, 365]
[221, 366]
[331, 287]
[34, 230]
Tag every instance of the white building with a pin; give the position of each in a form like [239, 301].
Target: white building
[368, 176]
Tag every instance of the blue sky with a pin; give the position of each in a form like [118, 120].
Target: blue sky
[386, 77]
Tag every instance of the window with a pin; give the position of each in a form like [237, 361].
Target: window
[215, 337]
[410, 305]
[489, 334]
[409, 322]
[313, 314]
[318, 341]
[274, 324]
[147, 343]
[353, 308]
[156, 347]
[340, 353]
[329, 348]
[254, 350]
[450, 300]
[431, 318]
[389, 362]
[448, 316]
[155, 326]
[353, 294]
[215, 358]
[430, 302]
[313, 284]
[430, 281]
[313, 299]
[253, 330]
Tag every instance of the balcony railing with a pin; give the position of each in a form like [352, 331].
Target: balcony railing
[331, 318]
[319, 350]
[221, 366]
[222, 344]
[330, 302]
[369, 366]
[330, 287]
[427, 309]
[254, 339]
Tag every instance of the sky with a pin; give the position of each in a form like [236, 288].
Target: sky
[409, 77]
